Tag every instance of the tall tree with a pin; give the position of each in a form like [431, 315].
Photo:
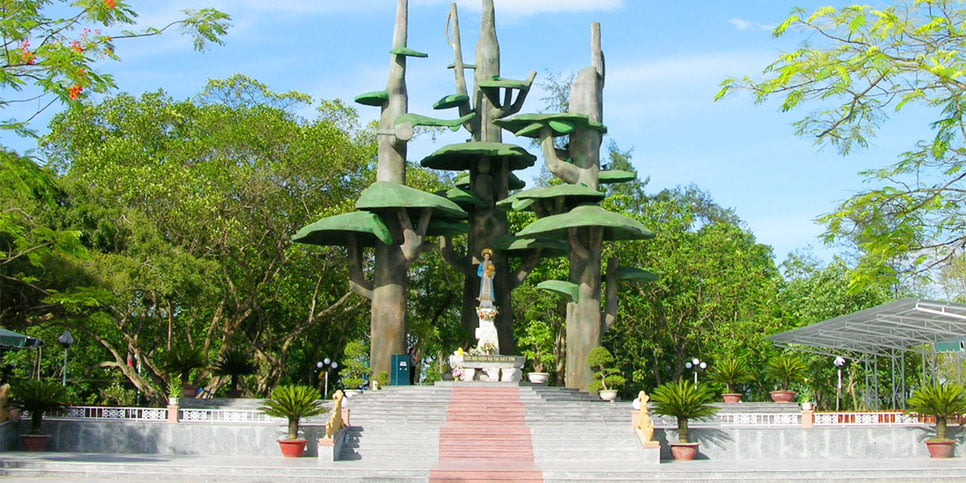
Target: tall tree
[190, 206]
[862, 66]
[51, 48]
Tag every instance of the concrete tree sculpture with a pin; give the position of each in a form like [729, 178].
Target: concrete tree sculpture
[571, 212]
[489, 163]
[393, 219]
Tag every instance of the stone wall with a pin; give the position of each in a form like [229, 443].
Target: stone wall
[807, 443]
[165, 439]
[8, 435]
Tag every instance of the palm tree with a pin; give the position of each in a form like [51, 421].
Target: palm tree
[731, 372]
[293, 402]
[684, 400]
[784, 370]
[38, 397]
[943, 401]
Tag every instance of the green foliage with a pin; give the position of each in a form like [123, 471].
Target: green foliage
[943, 401]
[784, 370]
[861, 66]
[38, 397]
[183, 359]
[731, 372]
[235, 362]
[605, 377]
[54, 48]
[684, 400]
[175, 387]
[382, 377]
[293, 402]
[117, 395]
[354, 369]
[537, 345]
[715, 295]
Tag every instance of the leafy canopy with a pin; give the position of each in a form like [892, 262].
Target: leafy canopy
[860, 66]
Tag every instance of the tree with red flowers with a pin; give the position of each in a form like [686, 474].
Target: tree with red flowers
[49, 59]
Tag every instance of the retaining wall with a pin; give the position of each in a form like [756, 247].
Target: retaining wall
[167, 439]
[791, 443]
[727, 443]
[8, 435]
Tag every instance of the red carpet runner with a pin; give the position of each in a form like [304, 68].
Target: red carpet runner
[485, 438]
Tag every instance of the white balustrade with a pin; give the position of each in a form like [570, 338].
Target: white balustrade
[888, 418]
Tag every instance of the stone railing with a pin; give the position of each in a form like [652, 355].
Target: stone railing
[112, 413]
[887, 418]
[185, 415]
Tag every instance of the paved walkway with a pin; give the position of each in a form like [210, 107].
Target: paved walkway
[272, 468]
[485, 438]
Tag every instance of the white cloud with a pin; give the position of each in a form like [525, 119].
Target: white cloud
[742, 24]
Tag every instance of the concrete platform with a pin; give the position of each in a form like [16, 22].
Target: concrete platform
[25, 466]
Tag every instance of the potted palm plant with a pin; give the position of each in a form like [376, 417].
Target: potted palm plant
[293, 402]
[684, 400]
[37, 398]
[607, 379]
[784, 370]
[234, 363]
[942, 401]
[731, 372]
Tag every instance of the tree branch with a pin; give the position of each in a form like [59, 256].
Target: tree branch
[357, 279]
[526, 267]
[560, 168]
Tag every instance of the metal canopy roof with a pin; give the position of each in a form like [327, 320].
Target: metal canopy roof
[883, 330]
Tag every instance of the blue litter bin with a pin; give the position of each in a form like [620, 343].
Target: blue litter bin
[400, 370]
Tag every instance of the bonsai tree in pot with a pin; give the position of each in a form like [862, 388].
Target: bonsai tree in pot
[234, 363]
[293, 402]
[354, 369]
[37, 398]
[607, 379]
[684, 400]
[731, 372]
[784, 370]
[942, 401]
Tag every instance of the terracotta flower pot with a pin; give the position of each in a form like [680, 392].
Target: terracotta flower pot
[35, 442]
[942, 448]
[783, 396]
[684, 451]
[292, 448]
[731, 397]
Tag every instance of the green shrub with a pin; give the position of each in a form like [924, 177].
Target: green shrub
[354, 370]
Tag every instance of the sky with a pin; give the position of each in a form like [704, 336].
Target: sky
[664, 60]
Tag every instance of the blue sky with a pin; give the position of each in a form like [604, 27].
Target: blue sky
[665, 61]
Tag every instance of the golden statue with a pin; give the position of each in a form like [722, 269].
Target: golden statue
[335, 423]
[645, 427]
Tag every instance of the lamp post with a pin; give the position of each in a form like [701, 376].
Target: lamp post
[839, 364]
[326, 364]
[65, 340]
[696, 365]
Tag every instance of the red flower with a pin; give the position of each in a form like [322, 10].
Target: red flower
[110, 3]
[76, 46]
[74, 91]
[27, 57]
